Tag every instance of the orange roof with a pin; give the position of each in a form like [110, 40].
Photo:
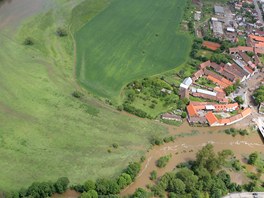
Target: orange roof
[205, 64]
[224, 121]
[191, 110]
[246, 112]
[220, 83]
[218, 89]
[260, 44]
[257, 38]
[244, 48]
[211, 118]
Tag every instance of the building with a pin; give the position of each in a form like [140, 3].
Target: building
[186, 83]
[217, 27]
[173, 117]
[219, 10]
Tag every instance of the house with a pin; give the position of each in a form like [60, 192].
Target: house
[197, 75]
[166, 91]
[186, 83]
[173, 117]
[205, 64]
[197, 120]
[191, 111]
[211, 119]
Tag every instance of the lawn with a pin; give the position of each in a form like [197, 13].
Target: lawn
[45, 133]
[130, 40]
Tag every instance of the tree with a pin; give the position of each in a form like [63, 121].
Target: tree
[133, 170]
[259, 94]
[177, 186]
[252, 158]
[61, 184]
[184, 115]
[153, 175]
[239, 100]
[89, 185]
[189, 179]
[90, 194]
[107, 187]
[141, 193]
[163, 161]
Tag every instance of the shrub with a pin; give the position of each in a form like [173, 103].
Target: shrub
[77, 94]
[28, 41]
[253, 158]
[153, 175]
[61, 32]
[163, 161]
[115, 145]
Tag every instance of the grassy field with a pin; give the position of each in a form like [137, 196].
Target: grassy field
[45, 133]
[130, 40]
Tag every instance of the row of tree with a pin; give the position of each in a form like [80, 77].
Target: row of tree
[41, 189]
[109, 187]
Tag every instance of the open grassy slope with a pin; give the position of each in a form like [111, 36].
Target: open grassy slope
[129, 40]
[45, 133]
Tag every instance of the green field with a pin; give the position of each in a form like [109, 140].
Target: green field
[130, 39]
[45, 133]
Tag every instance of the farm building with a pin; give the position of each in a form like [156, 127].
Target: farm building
[219, 10]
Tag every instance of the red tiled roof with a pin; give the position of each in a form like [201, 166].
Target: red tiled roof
[205, 64]
[191, 110]
[257, 38]
[246, 112]
[211, 118]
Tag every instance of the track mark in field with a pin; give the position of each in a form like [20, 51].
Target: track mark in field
[4, 108]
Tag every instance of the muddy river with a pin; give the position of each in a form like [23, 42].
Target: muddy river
[185, 147]
[13, 12]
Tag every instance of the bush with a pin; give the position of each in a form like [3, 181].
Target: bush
[61, 32]
[115, 145]
[28, 41]
[156, 141]
[77, 94]
[163, 161]
[135, 111]
[133, 170]
[253, 158]
[153, 175]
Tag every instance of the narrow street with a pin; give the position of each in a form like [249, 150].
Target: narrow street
[258, 10]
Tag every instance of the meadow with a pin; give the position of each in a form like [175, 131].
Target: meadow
[130, 40]
[45, 132]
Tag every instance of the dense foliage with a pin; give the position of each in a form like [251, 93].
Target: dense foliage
[41, 189]
[259, 94]
[109, 187]
[200, 178]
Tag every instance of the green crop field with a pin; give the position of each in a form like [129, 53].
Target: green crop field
[45, 133]
[130, 39]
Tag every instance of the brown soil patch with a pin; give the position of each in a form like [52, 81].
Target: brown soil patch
[67, 194]
[211, 45]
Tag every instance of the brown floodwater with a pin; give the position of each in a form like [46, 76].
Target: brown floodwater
[13, 12]
[185, 147]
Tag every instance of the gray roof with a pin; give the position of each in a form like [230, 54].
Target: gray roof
[219, 9]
